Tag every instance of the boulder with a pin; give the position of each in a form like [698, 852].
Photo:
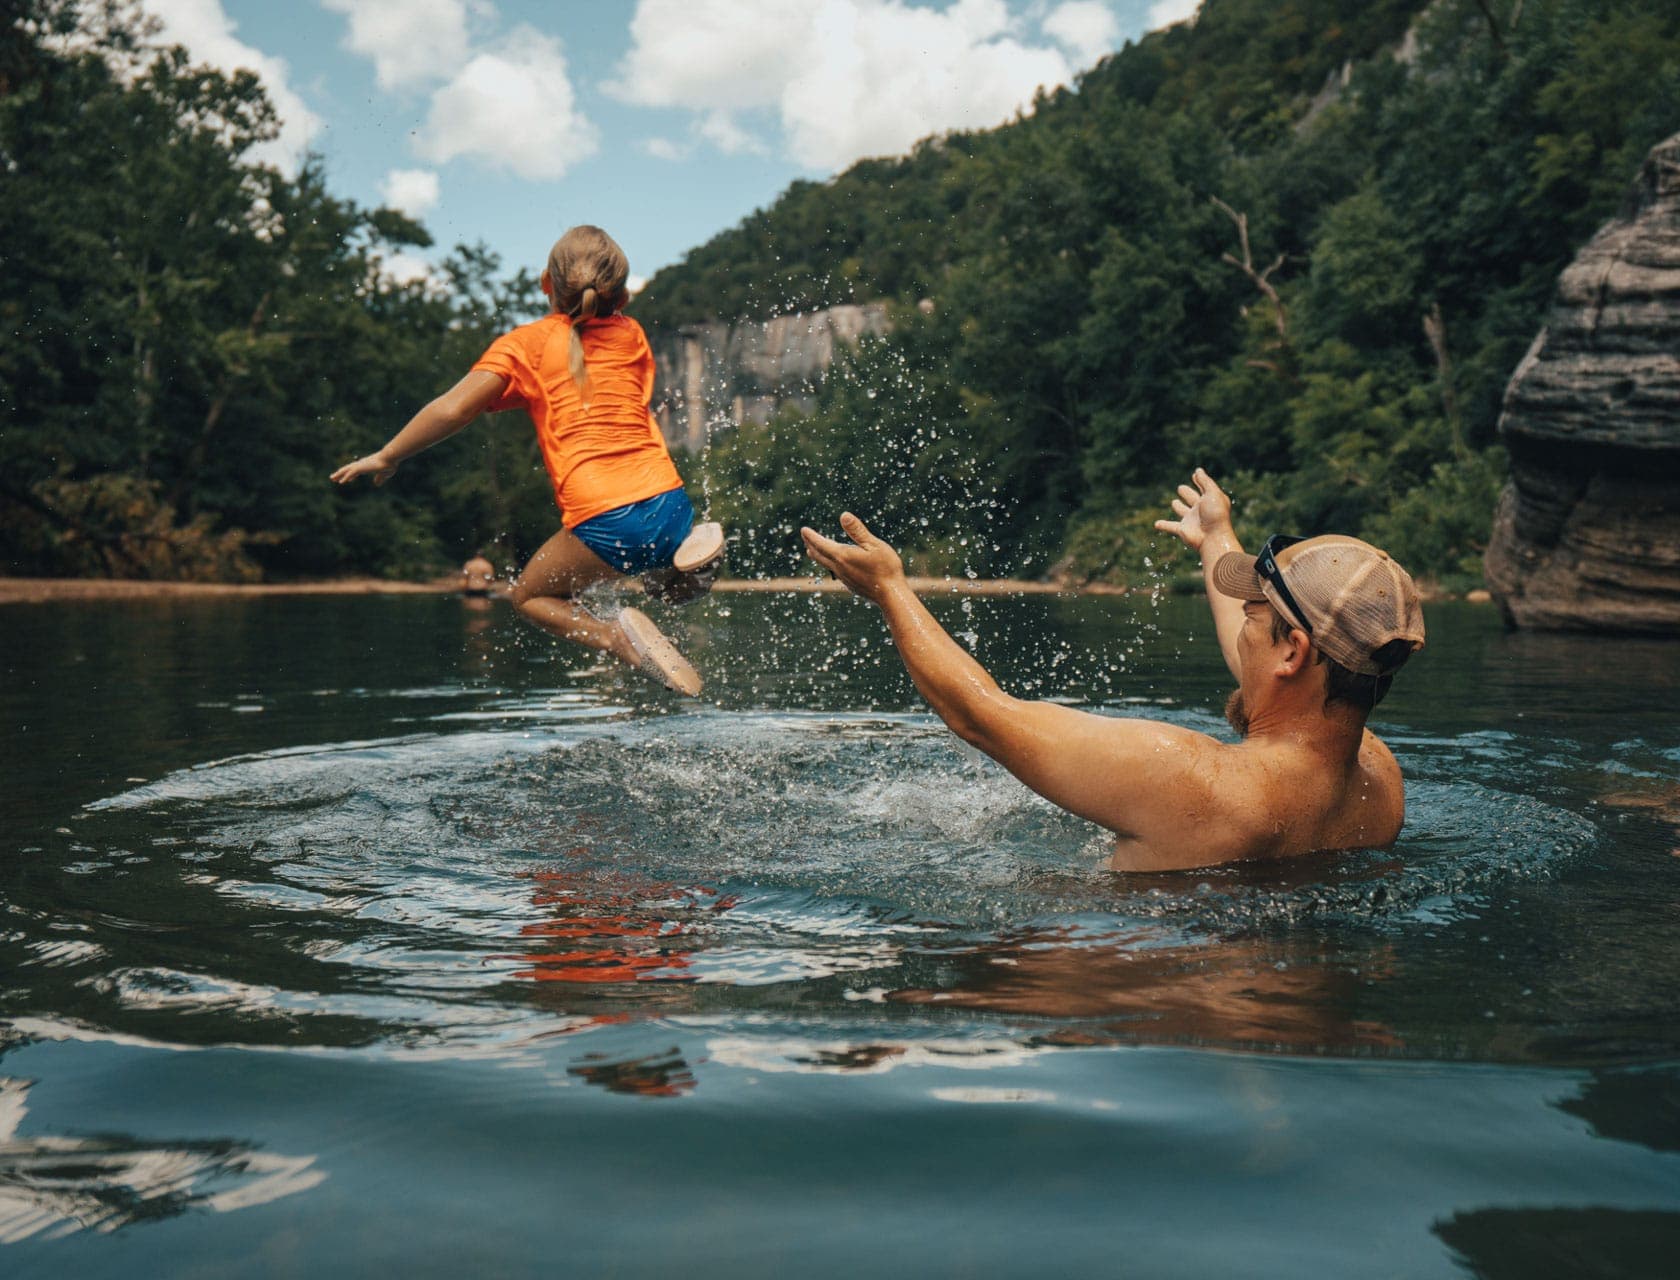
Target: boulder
[1586, 534]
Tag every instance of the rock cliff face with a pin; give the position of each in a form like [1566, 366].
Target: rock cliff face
[713, 376]
[1586, 535]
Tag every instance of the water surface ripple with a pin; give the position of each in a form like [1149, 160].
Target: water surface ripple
[420, 840]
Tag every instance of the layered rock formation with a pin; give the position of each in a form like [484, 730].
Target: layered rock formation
[1586, 535]
[713, 376]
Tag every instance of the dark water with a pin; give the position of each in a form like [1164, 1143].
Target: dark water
[376, 936]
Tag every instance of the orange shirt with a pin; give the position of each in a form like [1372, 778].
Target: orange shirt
[601, 457]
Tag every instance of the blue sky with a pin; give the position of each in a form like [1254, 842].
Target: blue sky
[665, 121]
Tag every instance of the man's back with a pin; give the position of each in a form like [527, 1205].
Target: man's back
[1270, 800]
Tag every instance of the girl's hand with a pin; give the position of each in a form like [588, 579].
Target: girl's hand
[1201, 511]
[375, 464]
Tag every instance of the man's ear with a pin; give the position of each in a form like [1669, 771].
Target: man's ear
[1297, 653]
[547, 283]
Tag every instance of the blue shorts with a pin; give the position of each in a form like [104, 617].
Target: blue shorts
[641, 536]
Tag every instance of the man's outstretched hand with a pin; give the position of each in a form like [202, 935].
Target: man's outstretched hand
[1201, 511]
[868, 566]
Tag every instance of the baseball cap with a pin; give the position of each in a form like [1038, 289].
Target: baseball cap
[1349, 596]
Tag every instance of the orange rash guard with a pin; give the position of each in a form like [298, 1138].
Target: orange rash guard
[601, 457]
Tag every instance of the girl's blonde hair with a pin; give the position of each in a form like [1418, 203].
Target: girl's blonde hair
[587, 271]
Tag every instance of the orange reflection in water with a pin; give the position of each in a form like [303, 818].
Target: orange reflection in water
[640, 928]
[1249, 993]
[603, 928]
[1661, 801]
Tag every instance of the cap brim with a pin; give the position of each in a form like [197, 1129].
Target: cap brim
[1234, 575]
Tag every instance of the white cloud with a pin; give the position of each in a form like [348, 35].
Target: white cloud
[410, 41]
[714, 54]
[511, 107]
[1163, 13]
[888, 75]
[207, 33]
[719, 129]
[405, 267]
[665, 149]
[845, 78]
[413, 191]
[1085, 28]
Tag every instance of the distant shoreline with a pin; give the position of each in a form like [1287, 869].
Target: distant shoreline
[50, 590]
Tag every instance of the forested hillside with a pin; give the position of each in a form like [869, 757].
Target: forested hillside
[191, 342]
[1302, 242]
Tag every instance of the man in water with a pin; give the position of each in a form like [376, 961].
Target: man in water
[478, 576]
[1313, 630]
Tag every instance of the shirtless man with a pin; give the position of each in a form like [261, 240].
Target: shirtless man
[478, 576]
[1312, 630]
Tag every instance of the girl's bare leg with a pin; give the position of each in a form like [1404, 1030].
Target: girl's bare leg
[544, 593]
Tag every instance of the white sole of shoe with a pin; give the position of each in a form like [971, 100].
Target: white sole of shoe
[657, 655]
[703, 546]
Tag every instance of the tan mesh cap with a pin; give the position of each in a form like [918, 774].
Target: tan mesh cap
[1355, 598]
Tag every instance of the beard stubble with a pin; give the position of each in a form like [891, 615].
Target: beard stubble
[1236, 713]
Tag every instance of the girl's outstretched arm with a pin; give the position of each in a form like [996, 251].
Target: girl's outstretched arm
[439, 420]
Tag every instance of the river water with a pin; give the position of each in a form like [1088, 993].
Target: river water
[348, 936]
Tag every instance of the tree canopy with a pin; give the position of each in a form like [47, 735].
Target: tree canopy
[193, 340]
[1301, 242]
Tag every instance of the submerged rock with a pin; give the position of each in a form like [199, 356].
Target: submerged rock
[1586, 535]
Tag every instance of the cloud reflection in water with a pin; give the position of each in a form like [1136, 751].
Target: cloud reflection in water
[53, 1186]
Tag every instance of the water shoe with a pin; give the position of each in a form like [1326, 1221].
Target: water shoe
[693, 568]
[701, 550]
[657, 655]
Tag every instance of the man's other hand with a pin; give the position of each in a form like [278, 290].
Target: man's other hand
[1201, 511]
[868, 566]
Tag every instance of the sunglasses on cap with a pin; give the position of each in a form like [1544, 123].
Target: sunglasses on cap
[1266, 565]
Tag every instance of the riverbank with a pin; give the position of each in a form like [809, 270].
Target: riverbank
[48, 590]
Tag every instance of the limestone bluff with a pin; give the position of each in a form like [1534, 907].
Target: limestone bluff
[722, 375]
[1586, 535]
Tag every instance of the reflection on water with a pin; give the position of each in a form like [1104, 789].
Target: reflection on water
[488, 857]
[1256, 994]
[1564, 1244]
[235, 827]
[657, 1075]
[52, 1185]
[825, 855]
[628, 931]
[1632, 1105]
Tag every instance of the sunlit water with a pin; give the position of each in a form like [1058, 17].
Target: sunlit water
[356, 936]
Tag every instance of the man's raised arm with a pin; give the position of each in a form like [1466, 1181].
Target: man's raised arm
[1138, 778]
[1204, 525]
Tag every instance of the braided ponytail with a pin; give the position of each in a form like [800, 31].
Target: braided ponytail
[587, 271]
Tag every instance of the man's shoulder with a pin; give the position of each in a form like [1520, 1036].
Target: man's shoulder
[1374, 753]
[1278, 799]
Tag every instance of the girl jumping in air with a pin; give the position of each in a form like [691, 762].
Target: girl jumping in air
[584, 373]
